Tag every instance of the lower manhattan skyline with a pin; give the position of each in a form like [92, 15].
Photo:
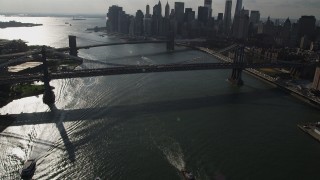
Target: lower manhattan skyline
[272, 8]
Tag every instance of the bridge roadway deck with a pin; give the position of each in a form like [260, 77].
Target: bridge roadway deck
[133, 69]
[112, 44]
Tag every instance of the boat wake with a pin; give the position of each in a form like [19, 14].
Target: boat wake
[172, 151]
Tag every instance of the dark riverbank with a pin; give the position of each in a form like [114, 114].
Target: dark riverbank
[281, 84]
[17, 24]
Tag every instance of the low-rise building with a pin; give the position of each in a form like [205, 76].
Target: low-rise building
[316, 81]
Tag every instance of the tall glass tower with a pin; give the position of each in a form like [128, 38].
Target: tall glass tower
[238, 7]
[227, 17]
[208, 4]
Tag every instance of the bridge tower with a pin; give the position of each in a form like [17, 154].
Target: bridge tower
[73, 45]
[48, 96]
[170, 42]
[236, 76]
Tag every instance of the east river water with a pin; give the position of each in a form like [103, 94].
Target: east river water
[149, 126]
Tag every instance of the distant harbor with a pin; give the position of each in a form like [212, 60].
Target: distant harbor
[78, 19]
[97, 29]
[17, 24]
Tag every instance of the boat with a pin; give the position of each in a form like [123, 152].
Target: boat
[187, 175]
[28, 169]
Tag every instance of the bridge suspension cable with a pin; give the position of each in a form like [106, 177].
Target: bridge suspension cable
[91, 40]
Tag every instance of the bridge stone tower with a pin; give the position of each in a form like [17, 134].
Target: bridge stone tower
[236, 76]
[73, 45]
[48, 96]
[170, 42]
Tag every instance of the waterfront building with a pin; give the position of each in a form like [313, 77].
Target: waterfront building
[238, 7]
[305, 42]
[148, 15]
[286, 33]
[277, 22]
[147, 23]
[113, 18]
[179, 11]
[220, 17]
[255, 17]
[294, 35]
[167, 11]
[266, 28]
[241, 25]
[179, 15]
[138, 24]
[123, 22]
[307, 26]
[132, 27]
[287, 24]
[208, 4]
[316, 81]
[189, 15]
[227, 17]
[219, 23]
[172, 14]
[157, 10]
[203, 15]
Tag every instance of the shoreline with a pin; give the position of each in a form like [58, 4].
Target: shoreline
[268, 79]
[15, 24]
[253, 72]
[10, 92]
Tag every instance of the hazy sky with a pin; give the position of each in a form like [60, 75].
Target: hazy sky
[273, 8]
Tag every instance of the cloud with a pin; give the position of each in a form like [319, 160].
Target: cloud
[309, 3]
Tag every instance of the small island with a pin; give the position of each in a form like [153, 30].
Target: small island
[16, 24]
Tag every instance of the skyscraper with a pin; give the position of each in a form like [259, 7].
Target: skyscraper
[238, 7]
[179, 16]
[255, 17]
[208, 4]
[220, 16]
[189, 15]
[227, 17]
[148, 10]
[113, 18]
[160, 8]
[236, 17]
[179, 11]
[167, 13]
[307, 27]
[157, 10]
[138, 23]
[241, 25]
[203, 15]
